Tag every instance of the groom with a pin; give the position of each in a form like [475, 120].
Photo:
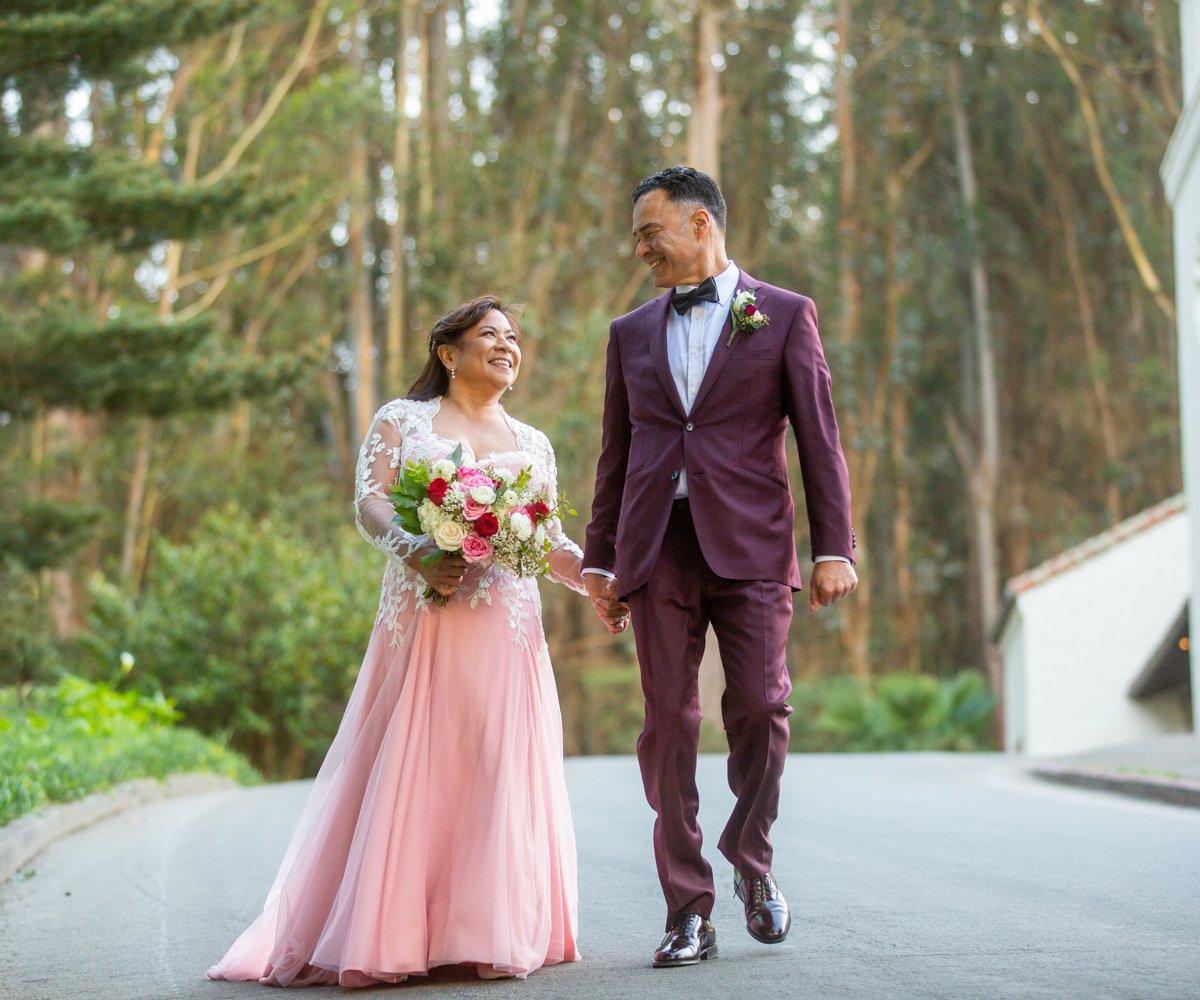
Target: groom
[692, 525]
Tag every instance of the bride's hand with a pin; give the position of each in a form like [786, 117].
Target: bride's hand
[444, 576]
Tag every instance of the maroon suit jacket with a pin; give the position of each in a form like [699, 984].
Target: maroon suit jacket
[732, 445]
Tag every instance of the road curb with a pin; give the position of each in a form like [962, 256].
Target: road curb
[24, 838]
[1175, 791]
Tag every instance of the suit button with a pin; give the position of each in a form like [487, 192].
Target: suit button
[675, 474]
[689, 426]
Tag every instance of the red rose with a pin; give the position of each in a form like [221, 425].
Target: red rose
[437, 491]
[538, 511]
[750, 310]
[486, 525]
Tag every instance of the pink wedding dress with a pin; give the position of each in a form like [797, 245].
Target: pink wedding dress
[438, 829]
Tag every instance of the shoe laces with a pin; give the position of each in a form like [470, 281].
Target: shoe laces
[762, 888]
[681, 921]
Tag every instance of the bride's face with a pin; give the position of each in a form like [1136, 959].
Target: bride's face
[490, 352]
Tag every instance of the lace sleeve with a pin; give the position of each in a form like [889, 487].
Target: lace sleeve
[566, 558]
[378, 468]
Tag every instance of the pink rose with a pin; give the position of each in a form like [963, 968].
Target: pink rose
[473, 509]
[469, 478]
[476, 549]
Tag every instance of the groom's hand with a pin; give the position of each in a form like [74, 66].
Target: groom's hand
[603, 592]
[831, 580]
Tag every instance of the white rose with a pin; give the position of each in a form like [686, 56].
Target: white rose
[506, 476]
[520, 525]
[430, 516]
[443, 469]
[507, 502]
[483, 494]
[449, 535]
[539, 536]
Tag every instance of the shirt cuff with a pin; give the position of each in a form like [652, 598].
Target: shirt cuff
[598, 572]
[817, 559]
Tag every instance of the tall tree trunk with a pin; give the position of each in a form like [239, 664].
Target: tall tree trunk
[906, 611]
[425, 132]
[135, 503]
[906, 606]
[980, 458]
[397, 312]
[704, 123]
[360, 313]
[1095, 355]
[854, 615]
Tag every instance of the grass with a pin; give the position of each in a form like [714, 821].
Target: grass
[63, 742]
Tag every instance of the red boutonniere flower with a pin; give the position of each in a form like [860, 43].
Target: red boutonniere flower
[747, 317]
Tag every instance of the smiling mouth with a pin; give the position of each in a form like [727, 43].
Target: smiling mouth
[654, 264]
[502, 363]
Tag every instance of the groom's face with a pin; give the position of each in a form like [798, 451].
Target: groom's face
[670, 240]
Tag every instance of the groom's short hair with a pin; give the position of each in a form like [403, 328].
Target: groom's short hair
[688, 186]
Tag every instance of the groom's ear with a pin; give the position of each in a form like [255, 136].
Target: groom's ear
[701, 222]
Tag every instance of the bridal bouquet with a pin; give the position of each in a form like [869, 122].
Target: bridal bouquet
[483, 513]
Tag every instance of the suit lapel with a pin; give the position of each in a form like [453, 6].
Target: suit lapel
[721, 353]
[656, 334]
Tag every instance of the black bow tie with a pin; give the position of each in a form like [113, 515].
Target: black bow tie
[706, 291]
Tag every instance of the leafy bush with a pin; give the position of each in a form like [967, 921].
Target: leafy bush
[256, 633]
[63, 742]
[902, 711]
[27, 649]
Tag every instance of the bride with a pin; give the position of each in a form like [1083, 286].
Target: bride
[438, 830]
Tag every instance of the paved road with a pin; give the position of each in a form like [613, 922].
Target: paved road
[930, 876]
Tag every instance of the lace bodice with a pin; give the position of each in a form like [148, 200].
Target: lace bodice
[402, 432]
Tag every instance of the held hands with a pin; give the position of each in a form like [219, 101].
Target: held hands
[831, 580]
[603, 592]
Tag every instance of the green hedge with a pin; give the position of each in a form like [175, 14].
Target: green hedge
[900, 711]
[63, 742]
[255, 630]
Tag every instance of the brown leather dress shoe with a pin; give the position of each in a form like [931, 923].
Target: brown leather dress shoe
[690, 940]
[767, 916]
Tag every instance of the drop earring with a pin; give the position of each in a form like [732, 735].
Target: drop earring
[452, 374]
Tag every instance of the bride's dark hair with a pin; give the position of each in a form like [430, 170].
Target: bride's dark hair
[434, 379]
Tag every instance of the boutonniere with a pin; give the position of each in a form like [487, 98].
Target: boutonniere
[747, 317]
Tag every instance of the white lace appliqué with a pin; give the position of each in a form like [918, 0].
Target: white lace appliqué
[402, 432]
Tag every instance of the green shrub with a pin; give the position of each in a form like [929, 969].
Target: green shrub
[901, 711]
[254, 631]
[28, 652]
[63, 742]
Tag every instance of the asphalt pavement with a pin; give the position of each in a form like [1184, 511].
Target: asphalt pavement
[920, 875]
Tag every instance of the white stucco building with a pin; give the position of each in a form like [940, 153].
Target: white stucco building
[1091, 640]
[1181, 180]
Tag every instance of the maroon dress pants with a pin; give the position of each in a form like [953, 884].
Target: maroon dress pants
[750, 618]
